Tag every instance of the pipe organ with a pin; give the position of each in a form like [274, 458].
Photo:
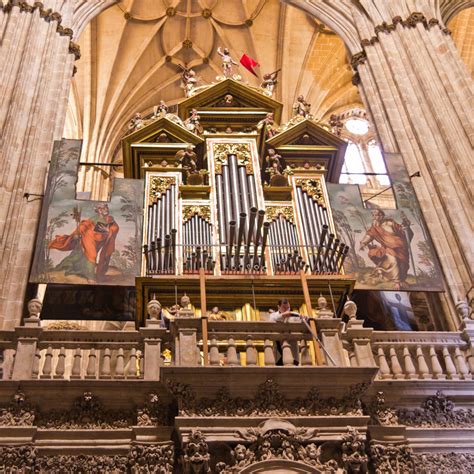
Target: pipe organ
[235, 199]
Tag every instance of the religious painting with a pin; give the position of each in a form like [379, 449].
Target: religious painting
[86, 302]
[83, 241]
[389, 249]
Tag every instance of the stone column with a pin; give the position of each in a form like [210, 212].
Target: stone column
[419, 94]
[36, 65]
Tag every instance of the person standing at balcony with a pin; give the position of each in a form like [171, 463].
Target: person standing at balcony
[286, 315]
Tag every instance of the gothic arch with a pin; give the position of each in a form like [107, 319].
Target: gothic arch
[279, 466]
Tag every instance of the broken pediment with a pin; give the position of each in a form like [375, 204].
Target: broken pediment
[308, 145]
[155, 143]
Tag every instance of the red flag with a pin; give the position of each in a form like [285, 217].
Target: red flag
[249, 63]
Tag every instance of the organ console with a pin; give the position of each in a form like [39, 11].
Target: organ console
[239, 224]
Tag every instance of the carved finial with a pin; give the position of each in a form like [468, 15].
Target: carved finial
[35, 306]
[463, 310]
[154, 308]
[185, 301]
[322, 303]
[350, 309]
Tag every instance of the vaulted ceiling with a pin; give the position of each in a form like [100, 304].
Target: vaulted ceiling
[132, 53]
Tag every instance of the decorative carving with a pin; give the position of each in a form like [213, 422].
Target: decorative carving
[278, 439]
[313, 189]
[16, 459]
[159, 185]
[65, 326]
[380, 414]
[154, 412]
[18, 412]
[353, 451]
[66, 463]
[151, 458]
[357, 59]
[196, 454]
[350, 309]
[190, 210]
[241, 150]
[437, 411]
[86, 413]
[75, 49]
[448, 463]
[268, 401]
[273, 212]
[391, 458]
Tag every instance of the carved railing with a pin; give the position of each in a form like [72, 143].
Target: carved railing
[422, 355]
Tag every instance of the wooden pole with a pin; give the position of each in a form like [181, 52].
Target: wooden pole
[202, 285]
[312, 323]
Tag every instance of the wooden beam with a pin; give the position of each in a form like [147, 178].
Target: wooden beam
[312, 323]
[202, 286]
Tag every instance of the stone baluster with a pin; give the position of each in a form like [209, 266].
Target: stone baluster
[287, 355]
[396, 367]
[268, 353]
[76, 364]
[36, 364]
[132, 365]
[105, 369]
[384, 369]
[139, 363]
[91, 365]
[232, 356]
[48, 364]
[450, 367]
[435, 365]
[61, 365]
[214, 352]
[353, 359]
[423, 369]
[305, 354]
[463, 369]
[119, 365]
[410, 370]
[251, 353]
[470, 359]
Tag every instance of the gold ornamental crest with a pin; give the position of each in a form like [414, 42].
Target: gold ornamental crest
[159, 185]
[273, 212]
[313, 188]
[190, 210]
[241, 150]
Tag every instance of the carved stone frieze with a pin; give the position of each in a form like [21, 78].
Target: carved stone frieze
[391, 458]
[151, 458]
[18, 412]
[18, 458]
[268, 401]
[60, 464]
[277, 439]
[196, 456]
[447, 463]
[380, 414]
[354, 456]
[153, 412]
[437, 411]
[87, 413]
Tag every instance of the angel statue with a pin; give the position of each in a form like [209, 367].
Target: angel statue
[188, 81]
[227, 61]
[269, 82]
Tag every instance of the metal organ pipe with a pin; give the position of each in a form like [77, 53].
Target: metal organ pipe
[244, 192]
[235, 188]
[220, 208]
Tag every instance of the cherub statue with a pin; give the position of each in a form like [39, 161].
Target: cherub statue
[188, 160]
[193, 123]
[137, 122]
[301, 107]
[160, 110]
[273, 161]
[227, 61]
[268, 122]
[269, 82]
[188, 81]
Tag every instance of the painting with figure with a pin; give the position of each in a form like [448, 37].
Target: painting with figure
[389, 249]
[82, 241]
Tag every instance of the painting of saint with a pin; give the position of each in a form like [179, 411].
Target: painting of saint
[391, 256]
[91, 244]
